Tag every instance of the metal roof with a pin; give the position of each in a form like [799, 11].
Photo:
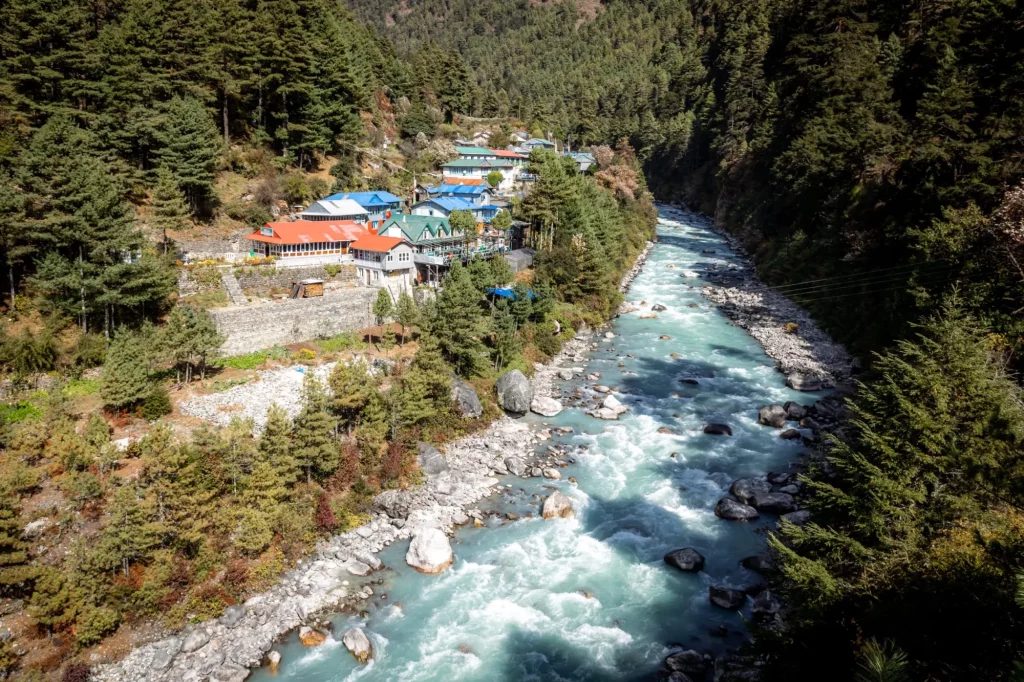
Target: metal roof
[475, 151]
[368, 199]
[342, 208]
[477, 163]
[310, 231]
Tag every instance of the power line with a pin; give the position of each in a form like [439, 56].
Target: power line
[941, 280]
[884, 279]
[910, 266]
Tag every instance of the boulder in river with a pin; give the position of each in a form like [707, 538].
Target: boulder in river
[687, 559]
[804, 382]
[757, 563]
[657, 307]
[744, 489]
[515, 465]
[557, 506]
[274, 659]
[310, 637]
[727, 598]
[798, 517]
[358, 644]
[430, 459]
[790, 434]
[718, 429]
[545, 406]
[773, 503]
[688, 662]
[794, 410]
[765, 607]
[429, 551]
[552, 473]
[731, 510]
[771, 415]
[467, 402]
[514, 392]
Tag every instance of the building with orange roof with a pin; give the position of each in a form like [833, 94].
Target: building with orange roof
[307, 242]
[383, 261]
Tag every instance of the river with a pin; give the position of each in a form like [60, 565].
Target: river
[590, 598]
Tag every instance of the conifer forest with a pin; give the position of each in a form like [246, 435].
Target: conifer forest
[867, 155]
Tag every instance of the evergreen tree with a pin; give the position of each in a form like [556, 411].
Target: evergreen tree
[352, 386]
[52, 604]
[276, 448]
[315, 445]
[457, 321]
[14, 567]
[169, 207]
[407, 312]
[383, 306]
[175, 490]
[189, 149]
[191, 337]
[125, 372]
[127, 536]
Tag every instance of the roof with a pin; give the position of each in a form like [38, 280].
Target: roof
[457, 189]
[534, 141]
[580, 155]
[307, 231]
[477, 151]
[418, 228]
[450, 203]
[477, 163]
[335, 207]
[368, 199]
[375, 242]
[507, 154]
[465, 181]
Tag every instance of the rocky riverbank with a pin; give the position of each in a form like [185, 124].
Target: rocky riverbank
[808, 356]
[340, 572]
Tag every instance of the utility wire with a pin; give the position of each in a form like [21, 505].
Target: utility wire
[860, 274]
[941, 280]
[868, 281]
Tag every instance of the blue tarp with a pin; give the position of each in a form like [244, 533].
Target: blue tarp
[509, 293]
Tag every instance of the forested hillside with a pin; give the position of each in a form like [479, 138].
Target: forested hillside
[838, 138]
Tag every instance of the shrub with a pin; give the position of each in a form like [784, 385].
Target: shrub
[341, 342]
[325, 520]
[90, 351]
[791, 328]
[253, 533]
[75, 672]
[78, 388]
[18, 412]
[157, 403]
[332, 269]
[95, 622]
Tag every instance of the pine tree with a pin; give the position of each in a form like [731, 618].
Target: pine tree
[315, 445]
[14, 566]
[125, 372]
[352, 386]
[191, 337]
[383, 307]
[127, 536]
[175, 490]
[189, 149]
[51, 605]
[457, 320]
[408, 313]
[276, 447]
[170, 210]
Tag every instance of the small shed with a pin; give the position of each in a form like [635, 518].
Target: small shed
[308, 288]
[520, 259]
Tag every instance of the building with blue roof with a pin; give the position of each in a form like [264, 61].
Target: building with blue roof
[480, 195]
[379, 205]
[443, 206]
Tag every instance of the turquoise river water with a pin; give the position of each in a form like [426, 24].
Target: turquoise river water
[591, 598]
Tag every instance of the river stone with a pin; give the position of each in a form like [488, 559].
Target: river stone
[430, 459]
[557, 505]
[790, 434]
[394, 503]
[274, 659]
[467, 402]
[765, 606]
[356, 567]
[757, 563]
[773, 503]
[718, 429]
[744, 489]
[790, 489]
[514, 392]
[771, 415]
[162, 658]
[731, 510]
[229, 673]
[689, 662]
[232, 615]
[356, 641]
[795, 411]
[803, 382]
[565, 374]
[515, 465]
[552, 473]
[657, 307]
[798, 517]
[430, 551]
[195, 640]
[687, 559]
[310, 637]
[727, 598]
[545, 406]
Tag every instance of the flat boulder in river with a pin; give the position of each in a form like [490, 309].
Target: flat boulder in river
[689, 662]
[545, 406]
[718, 429]
[804, 382]
[687, 559]
[356, 641]
[744, 489]
[515, 394]
[727, 598]
[429, 551]
[773, 503]
[731, 510]
[557, 506]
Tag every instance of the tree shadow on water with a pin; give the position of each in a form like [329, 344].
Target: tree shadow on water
[544, 658]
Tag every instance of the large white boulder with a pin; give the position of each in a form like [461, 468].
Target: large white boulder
[557, 506]
[356, 641]
[545, 406]
[430, 551]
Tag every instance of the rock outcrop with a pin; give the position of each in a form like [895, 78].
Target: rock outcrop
[514, 392]
[557, 506]
[545, 406]
[467, 402]
[358, 644]
[430, 551]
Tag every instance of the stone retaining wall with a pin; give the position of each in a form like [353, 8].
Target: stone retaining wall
[255, 327]
[269, 276]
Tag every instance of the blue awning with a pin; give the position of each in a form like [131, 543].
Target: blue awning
[509, 293]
